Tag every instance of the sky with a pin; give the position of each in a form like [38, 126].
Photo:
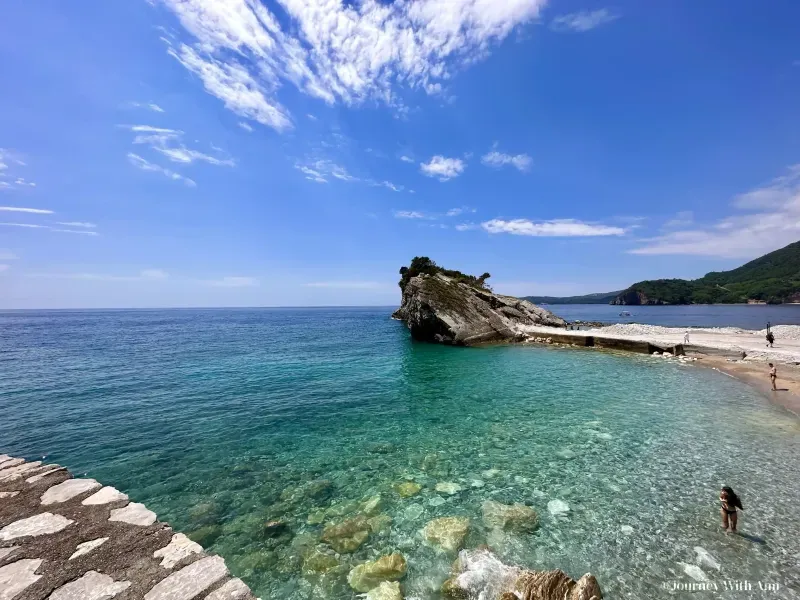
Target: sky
[159, 153]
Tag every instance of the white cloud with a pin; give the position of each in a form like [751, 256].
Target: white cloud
[335, 50]
[466, 226]
[454, 212]
[9, 161]
[771, 220]
[311, 117]
[388, 185]
[443, 168]
[583, 20]
[232, 83]
[321, 170]
[410, 214]
[148, 275]
[167, 142]
[147, 105]
[245, 126]
[140, 163]
[553, 228]
[234, 282]
[77, 224]
[36, 211]
[683, 219]
[407, 159]
[48, 227]
[496, 159]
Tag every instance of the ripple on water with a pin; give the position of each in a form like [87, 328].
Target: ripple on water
[223, 421]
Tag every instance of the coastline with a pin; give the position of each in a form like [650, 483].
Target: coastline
[716, 348]
[755, 375]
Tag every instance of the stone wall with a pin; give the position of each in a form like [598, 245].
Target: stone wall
[75, 539]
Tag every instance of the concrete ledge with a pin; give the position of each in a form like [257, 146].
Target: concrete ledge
[56, 546]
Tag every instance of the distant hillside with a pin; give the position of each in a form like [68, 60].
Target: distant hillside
[605, 298]
[774, 278]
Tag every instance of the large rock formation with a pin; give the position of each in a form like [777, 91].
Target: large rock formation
[460, 310]
[478, 574]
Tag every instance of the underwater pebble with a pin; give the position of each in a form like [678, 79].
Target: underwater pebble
[558, 508]
[448, 487]
[626, 529]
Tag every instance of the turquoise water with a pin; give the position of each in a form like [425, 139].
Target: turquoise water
[216, 419]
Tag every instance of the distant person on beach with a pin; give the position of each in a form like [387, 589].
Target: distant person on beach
[686, 338]
[730, 502]
[773, 376]
[770, 339]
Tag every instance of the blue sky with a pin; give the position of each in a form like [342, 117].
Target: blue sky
[298, 152]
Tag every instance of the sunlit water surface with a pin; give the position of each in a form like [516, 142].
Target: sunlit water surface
[210, 416]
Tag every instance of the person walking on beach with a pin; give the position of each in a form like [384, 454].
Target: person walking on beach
[773, 376]
[770, 339]
[730, 502]
[686, 338]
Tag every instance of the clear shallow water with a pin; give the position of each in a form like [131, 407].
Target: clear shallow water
[209, 416]
[755, 316]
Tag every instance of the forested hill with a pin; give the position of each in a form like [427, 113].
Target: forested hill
[773, 278]
[602, 298]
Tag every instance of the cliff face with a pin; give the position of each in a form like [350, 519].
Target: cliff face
[437, 308]
[635, 298]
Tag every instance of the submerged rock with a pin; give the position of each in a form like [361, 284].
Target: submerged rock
[451, 308]
[448, 487]
[347, 536]
[558, 508]
[480, 574]
[371, 506]
[379, 523]
[509, 517]
[704, 558]
[386, 591]
[317, 561]
[318, 489]
[275, 529]
[407, 489]
[447, 533]
[368, 575]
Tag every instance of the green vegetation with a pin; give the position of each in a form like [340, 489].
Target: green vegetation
[602, 298]
[774, 278]
[423, 265]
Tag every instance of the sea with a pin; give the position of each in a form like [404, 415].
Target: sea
[222, 420]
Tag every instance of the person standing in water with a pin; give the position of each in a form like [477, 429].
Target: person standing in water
[773, 376]
[730, 502]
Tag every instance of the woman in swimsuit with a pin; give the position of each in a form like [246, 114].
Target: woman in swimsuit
[773, 376]
[730, 502]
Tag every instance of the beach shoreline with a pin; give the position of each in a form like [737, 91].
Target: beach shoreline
[717, 348]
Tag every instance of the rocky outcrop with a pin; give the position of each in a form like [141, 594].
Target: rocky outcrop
[480, 574]
[438, 308]
[634, 297]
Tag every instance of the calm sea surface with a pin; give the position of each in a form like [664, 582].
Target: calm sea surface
[218, 419]
[753, 316]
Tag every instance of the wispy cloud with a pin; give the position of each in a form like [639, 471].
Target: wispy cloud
[454, 212]
[407, 159]
[769, 219]
[443, 168]
[684, 218]
[522, 162]
[48, 228]
[324, 170]
[36, 211]
[410, 214]
[336, 51]
[10, 160]
[145, 165]
[77, 224]
[245, 126]
[552, 228]
[147, 105]
[168, 142]
[583, 20]
[466, 226]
